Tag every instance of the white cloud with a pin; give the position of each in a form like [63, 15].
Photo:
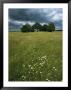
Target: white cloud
[57, 17]
[51, 13]
[20, 22]
[23, 22]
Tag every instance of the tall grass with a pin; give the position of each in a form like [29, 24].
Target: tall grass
[35, 56]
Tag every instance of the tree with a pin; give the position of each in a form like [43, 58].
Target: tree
[26, 28]
[36, 27]
[51, 27]
[44, 27]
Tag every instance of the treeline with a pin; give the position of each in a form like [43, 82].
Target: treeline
[38, 27]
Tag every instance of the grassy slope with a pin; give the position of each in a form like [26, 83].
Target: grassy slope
[35, 56]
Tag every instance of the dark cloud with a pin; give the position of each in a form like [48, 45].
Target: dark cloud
[36, 15]
[27, 15]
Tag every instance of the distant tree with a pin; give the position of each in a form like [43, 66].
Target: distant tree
[36, 27]
[26, 28]
[44, 27]
[58, 29]
[51, 27]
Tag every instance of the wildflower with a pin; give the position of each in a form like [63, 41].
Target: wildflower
[35, 64]
[41, 64]
[47, 79]
[53, 67]
[29, 65]
[23, 76]
[44, 57]
[40, 72]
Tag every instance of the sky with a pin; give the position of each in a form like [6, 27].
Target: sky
[19, 17]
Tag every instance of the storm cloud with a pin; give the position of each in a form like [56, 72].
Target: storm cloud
[19, 17]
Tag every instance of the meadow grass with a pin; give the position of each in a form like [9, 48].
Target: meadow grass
[35, 56]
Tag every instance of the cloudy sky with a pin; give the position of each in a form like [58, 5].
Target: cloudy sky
[19, 17]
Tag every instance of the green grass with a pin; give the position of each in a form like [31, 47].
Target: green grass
[35, 56]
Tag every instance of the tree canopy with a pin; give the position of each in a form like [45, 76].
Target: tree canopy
[38, 27]
[26, 28]
[51, 27]
[44, 28]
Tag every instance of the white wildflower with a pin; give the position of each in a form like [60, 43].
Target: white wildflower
[39, 58]
[40, 72]
[23, 77]
[41, 64]
[35, 64]
[29, 65]
[53, 67]
[44, 57]
[47, 79]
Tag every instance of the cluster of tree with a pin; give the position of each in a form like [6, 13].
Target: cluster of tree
[38, 27]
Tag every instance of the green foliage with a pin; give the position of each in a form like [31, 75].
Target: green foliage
[44, 27]
[51, 27]
[26, 28]
[36, 27]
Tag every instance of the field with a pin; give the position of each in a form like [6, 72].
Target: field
[35, 56]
